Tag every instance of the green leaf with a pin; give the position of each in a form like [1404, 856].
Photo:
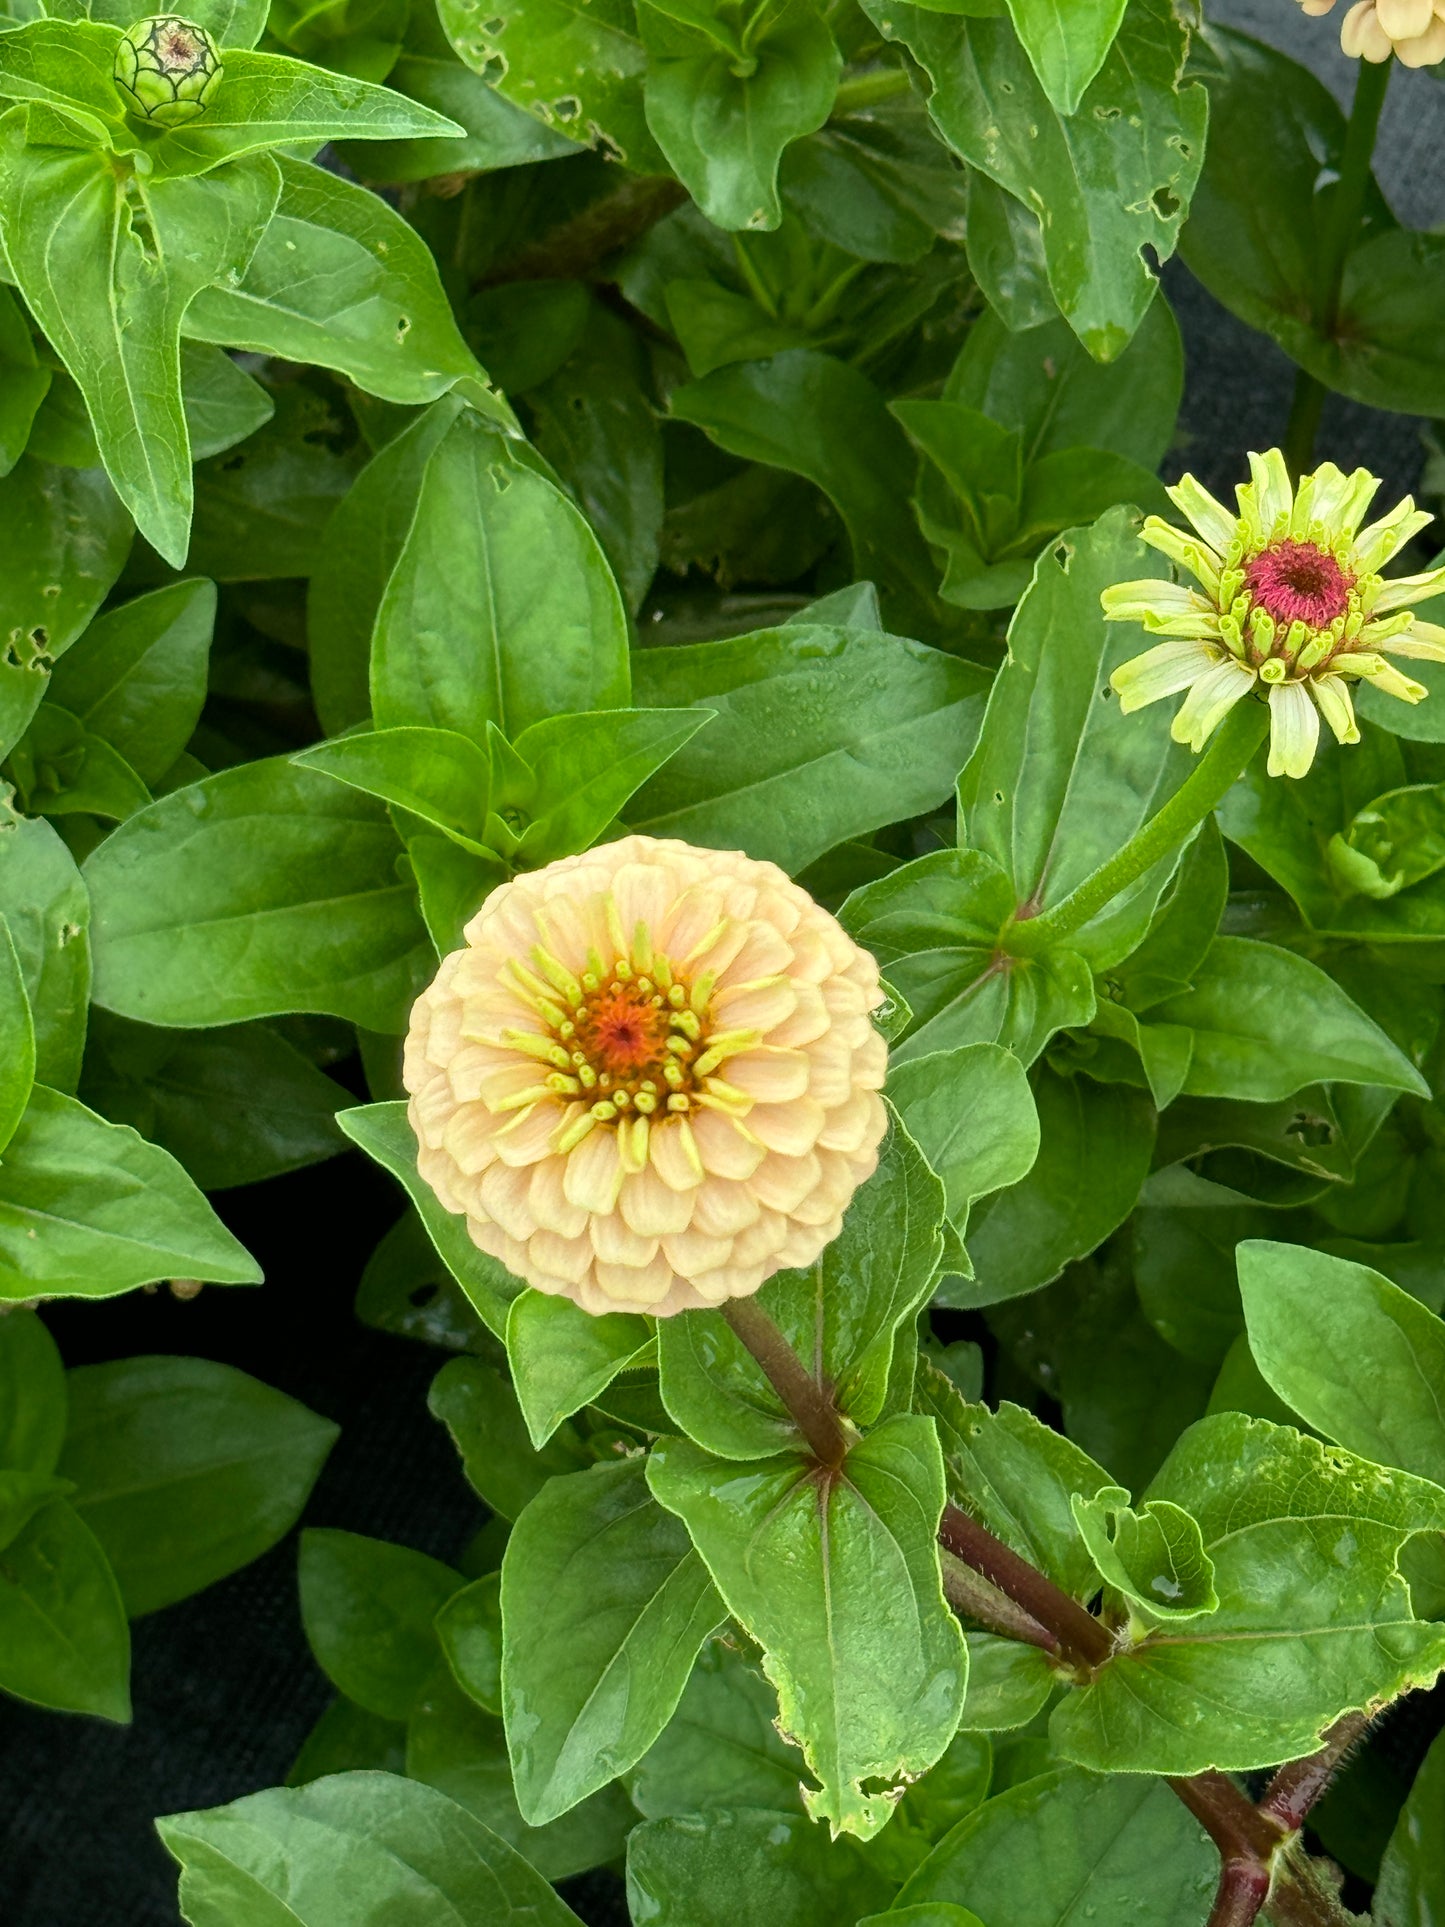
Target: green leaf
[501, 607]
[89, 1209]
[264, 889]
[69, 65]
[586, 768]
[359, 550]
[63, 541]
[1155, 1557]
[223, 404]
[186, 1470]
[1045, 386]
[61, 768]
[64, 1641]
[1314, 1618]
[723, 122]
[480, 1410]
[1267, 1022]
[717, 1869]
[47, 910]
[325, 1855]
[935, 925]
[17, 1040]
[819, 734]
[24, 381]
[933, 1913]
[347, 1740]
[407, 1289]
[972, 1114]
[837, 1579]
[561, 1357]
[84, 244]
[1060, 777]
[32, 1395]
[819, 417]
[137, 677]
[1008, 1683]
[1115, 177]
[841, 1314]
[1019, 1478]
[341, 280]
[368, 1609]
[604, 1607]
[462, 1751]
[1043, 1853]
[1273, 120]
[579, 74]
[469, 1627]
[1066, 46]
[1396, 841]
[383, 1133]
[269, 100]
[1094, 1152]
[1357, 1358]
[721, 1749]
[233, 1105]
[1411, 1889]
[443, 778]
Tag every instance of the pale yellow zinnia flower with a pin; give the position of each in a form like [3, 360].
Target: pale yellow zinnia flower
[1412, 30]
[649, 1080]
[1290, 602]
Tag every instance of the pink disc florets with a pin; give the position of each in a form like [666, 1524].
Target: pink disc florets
[1297, 582]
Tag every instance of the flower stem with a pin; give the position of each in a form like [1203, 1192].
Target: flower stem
[968, 1592]
[1299, 1783]
[809, 1404]
[1077, 1635]
[1339, 231]
[1225, 760]
[867, 89]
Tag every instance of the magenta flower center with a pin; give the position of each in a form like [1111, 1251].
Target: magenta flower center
[1297, 582]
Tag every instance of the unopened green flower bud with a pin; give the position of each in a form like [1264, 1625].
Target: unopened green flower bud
[167, 70]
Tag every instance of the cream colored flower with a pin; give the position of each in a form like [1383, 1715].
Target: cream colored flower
[650, 1080]
[1412, 30]
[1290, 602]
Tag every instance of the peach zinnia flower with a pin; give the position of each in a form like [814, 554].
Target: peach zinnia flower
[649, 1081]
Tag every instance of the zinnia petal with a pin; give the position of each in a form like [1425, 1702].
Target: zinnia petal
[1212, 519]
[1333, 696]
[1294, 730]
[1161, 672]
[1210, 699]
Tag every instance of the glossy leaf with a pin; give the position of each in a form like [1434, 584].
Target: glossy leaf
[348, 1844]
[17, 1040]
[721, 1749]
[1154, 1557]
[501, 607]
[561, 1358]
[480, 1410]
[443, 778]
[340, 279]
[1313, 1619]
[726, 1866]
[973, 1117]
[264, 889]
[1067, 46]
[469, 1628]
[1411, 1888]
[185, 1470]
[89, 1209]
[818, 734]
[838, 1582]
[32, 1395]
[604, 1606]
[64, 1641]
[368, 1609]
[47, 911]
[1357, 1358]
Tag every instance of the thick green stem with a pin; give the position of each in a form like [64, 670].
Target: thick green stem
[867, 90]
[1339, 232]
[1225, 760]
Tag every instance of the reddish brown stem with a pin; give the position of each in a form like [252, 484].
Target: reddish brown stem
[1299, 1783]
[809, 1403]
[1243, 1890]
[969, 1593]
[1079, 1635]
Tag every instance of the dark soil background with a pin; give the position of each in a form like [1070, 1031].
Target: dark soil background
[225, 1688]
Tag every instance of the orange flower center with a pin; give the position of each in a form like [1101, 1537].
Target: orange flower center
[623, 1028]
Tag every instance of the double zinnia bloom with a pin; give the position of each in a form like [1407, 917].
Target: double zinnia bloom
[1289, 602]
[650, 1079]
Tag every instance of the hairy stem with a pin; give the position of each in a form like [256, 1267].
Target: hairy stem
[1298, 1784]
[1339, 232]
[969, 1593]
[1223, 762]
[809, 1404]
[1077, 1634]
[1243, 1890]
